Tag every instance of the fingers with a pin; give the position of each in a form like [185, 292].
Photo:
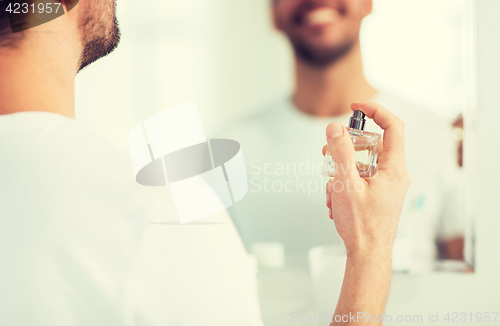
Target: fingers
[342, 151]
[329, 198]
[393, 131]
[325, 148]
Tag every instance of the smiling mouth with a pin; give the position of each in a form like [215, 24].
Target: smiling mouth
[317, 17]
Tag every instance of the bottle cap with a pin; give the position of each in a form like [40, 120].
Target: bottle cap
[357, 120]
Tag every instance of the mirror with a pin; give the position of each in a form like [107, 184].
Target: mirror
[418, 54]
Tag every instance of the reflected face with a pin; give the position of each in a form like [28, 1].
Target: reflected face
[321, 31]
[99, 30]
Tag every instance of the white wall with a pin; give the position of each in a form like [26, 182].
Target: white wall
[166, 57]
[417, 49]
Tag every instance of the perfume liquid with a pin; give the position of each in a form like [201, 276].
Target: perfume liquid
[366, 146]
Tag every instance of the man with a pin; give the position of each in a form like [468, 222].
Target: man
[283, 204]
[75, 245]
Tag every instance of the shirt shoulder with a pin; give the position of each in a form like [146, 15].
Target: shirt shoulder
[69, 207]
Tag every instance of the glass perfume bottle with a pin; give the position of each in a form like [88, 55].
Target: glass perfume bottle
[366, 145]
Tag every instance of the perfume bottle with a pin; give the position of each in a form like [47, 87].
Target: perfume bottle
[365, 144]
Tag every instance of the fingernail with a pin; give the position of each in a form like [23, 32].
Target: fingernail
[334, 130]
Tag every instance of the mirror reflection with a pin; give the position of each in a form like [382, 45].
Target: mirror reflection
[411, 60]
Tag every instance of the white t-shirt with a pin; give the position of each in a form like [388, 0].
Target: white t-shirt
[286, 199]
[82, 244]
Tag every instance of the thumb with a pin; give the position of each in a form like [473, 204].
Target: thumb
[342, 151]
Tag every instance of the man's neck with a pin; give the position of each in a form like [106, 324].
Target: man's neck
[35, 78]
[329, 91]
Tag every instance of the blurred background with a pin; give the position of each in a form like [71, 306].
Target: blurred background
[227, 56]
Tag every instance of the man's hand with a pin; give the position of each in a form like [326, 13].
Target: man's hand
[367, 212]
[367, 217]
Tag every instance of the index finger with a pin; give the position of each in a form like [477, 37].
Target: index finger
[394, 143]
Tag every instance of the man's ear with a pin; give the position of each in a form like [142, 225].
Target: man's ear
[274, 14]
[367, 7]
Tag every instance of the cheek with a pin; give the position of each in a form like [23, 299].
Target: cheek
[352, 6]
[351, 24]
[285, 9]
[354, 10]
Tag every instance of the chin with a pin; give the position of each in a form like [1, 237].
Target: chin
[323, 45]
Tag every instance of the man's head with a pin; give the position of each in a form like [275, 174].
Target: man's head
[93, 21]
[321, 31]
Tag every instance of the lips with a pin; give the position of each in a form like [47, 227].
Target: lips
[320, 16]
[314, 14]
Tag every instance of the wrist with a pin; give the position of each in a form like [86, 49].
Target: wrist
[378, 254]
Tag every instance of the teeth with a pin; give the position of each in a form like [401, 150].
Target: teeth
[320, 16]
